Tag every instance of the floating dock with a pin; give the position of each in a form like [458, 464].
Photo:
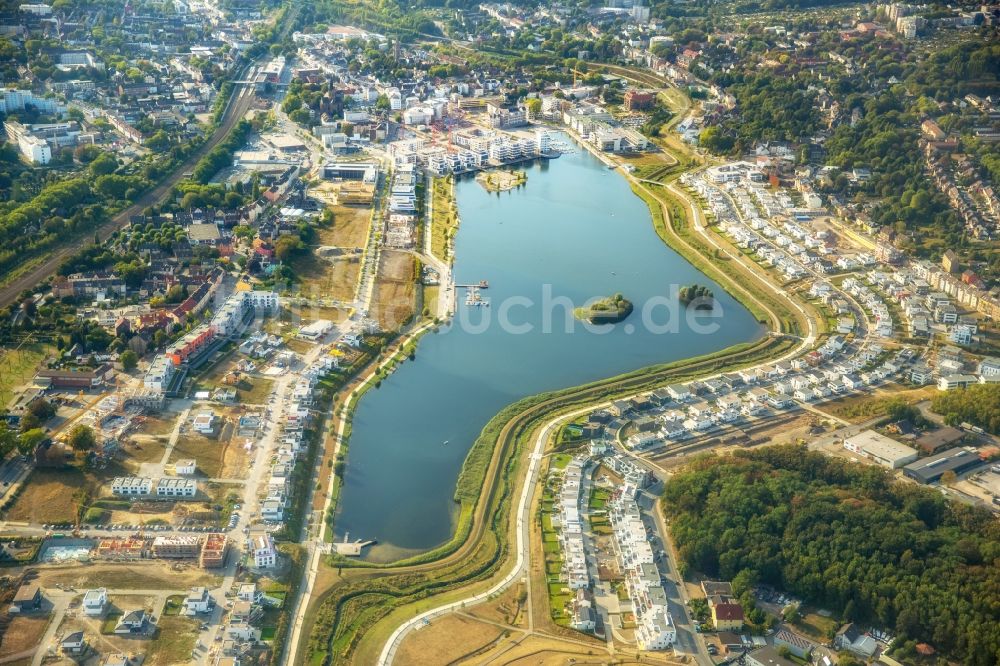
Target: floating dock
[473, 298]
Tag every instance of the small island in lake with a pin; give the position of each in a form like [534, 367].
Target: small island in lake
[501, 179]
[698, 294]
[610, 310]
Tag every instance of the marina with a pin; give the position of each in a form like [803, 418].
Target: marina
[577, 233]
[474, 298]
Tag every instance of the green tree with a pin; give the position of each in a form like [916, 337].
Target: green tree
[82, 438]
[104, 164]
[129, 360]
[42, 409]
[30, 439]
[8, 439]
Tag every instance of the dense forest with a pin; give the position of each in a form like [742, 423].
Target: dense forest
[978, 405]
[849, 539]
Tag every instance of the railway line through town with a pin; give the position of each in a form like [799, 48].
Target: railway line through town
[240, 101]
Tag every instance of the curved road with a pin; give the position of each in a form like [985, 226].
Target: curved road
[523, 522]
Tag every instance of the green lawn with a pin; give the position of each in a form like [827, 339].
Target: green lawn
[174, 642]
[110, 622]
[18, 367]
[445, 221]
[560, 460]
[817, 627]
[174, 604]
[598, 499]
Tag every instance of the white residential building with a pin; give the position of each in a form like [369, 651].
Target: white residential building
[264, 554]
[198, 601]
[94, 601]
[131, 485]
[174, 487]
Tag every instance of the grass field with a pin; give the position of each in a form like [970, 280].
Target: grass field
[110, 622]
[140, 576]
[445, 222]
[817, 627]
[862, 407]
[447, 640]
[174, 641]
[174, 604]
[209, 453]
[143, 448]
[431, 295]
[336, 278]
[18, 367]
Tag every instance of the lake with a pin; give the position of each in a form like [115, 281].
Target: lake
[573, 233]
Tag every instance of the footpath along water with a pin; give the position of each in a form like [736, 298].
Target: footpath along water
[577, 227]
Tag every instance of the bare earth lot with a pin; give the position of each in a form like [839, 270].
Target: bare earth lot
[393, 302]
[51, 496]
[446, 640]
[22, 634]
[148, 575]
[335, 273]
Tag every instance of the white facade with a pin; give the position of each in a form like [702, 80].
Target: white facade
[883, 450]
[35, 150]
[173, 487]
[198, 601]
[131, 485]
[264, 554]
[94, 601]
[159, 374]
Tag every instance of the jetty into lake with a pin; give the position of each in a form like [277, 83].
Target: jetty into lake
[352, 548]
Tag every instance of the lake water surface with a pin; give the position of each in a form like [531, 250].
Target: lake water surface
[576, 227]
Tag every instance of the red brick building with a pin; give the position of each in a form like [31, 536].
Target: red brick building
[636, 100]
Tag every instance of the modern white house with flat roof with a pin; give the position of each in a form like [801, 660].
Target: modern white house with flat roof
[131, 485]
[198, 601]
[94, 601]
[174, 487]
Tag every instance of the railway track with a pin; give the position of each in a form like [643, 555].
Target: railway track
[239, 103]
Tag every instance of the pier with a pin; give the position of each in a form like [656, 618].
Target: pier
[352, 548]
[472, 296]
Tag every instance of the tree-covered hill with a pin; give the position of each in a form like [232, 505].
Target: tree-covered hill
[848, 538]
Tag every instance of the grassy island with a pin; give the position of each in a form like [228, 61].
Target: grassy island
[501, 180]
[700, 295]
[610, 310]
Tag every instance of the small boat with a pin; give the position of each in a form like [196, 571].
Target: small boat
[446, 442]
